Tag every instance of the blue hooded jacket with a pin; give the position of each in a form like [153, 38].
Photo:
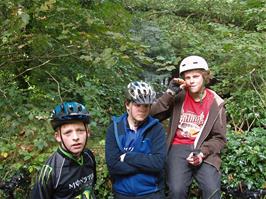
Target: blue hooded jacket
[141, 172]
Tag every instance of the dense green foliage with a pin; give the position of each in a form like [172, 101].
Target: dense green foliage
[245, 156]
[54, 50]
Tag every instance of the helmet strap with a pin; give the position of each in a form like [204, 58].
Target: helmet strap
[202, 94]
[86, 136]
[202, 91]
[62, 141]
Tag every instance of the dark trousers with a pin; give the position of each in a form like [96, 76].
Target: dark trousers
[156, 195]
[180, 175]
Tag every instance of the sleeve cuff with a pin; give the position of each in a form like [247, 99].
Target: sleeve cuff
[170, 92]
[205, 151]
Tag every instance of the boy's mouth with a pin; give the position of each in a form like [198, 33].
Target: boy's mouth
[76, 145]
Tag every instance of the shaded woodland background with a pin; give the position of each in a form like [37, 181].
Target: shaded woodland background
[88, 50]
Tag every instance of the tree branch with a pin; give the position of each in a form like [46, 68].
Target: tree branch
[250, 76]
[58, 86]
[32, 68]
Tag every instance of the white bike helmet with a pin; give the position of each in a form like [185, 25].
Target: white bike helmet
[140, 92]
[191, 63]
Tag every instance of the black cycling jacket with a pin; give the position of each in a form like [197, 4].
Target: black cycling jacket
[64, 177]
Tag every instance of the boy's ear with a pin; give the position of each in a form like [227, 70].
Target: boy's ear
[57, 136]
[127, 105]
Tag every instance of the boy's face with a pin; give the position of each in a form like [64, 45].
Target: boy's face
[194, 81]
[137, 112]
[74, 136]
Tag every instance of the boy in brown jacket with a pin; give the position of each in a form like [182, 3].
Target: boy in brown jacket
[197, 130]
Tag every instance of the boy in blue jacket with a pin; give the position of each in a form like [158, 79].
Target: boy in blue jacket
[135, 147]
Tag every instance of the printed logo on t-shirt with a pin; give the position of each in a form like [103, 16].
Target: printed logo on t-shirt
[192, 118]
[190, 125]
[88, 180]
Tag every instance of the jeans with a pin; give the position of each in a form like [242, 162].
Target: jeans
[155, 195]
[180, 175]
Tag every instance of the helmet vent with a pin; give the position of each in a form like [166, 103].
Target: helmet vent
[62, 108]
[140, 92]
[71, 109]
[193, 62]
[79, 108]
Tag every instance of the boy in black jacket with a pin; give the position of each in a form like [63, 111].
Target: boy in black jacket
[70, 172]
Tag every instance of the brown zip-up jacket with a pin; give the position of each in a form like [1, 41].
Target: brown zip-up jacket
[213, 136]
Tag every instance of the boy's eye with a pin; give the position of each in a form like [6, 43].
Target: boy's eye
[67, 132]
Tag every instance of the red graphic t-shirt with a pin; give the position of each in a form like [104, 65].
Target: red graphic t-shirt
[193, 116]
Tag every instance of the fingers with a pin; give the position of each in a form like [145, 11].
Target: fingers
[195, 160]
[190, 158]
[180, 81]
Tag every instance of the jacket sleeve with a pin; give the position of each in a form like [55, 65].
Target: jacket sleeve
[154, 161]
[90, 153]
[162, 108]
[216, 140]
[112, 156]
[43, 188]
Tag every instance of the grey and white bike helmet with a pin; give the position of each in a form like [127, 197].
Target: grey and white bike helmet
[140, 92]
[191, 63]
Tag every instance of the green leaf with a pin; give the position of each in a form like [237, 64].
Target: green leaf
[25, 19]
[167, 68]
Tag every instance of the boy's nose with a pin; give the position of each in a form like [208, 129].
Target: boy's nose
[75, 136]
[191, 81]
